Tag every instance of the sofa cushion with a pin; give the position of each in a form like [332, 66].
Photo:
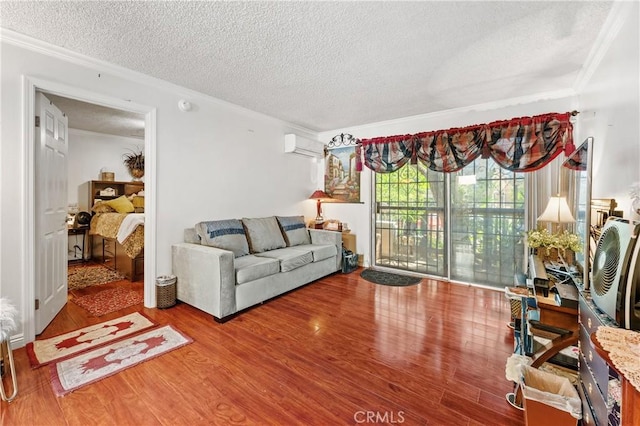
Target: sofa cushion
[224, 234]
[290, 258]
[249, 268]
[263, 234]
[320, 251]
[294, 230]
[191, 236]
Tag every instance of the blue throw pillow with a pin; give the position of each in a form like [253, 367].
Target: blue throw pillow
[224, 234]
[294, 230]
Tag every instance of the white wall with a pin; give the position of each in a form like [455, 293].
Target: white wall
[217, 161]
[89, 152]
[610, 112]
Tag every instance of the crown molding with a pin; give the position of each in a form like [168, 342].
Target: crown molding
[619, 13]
[48, 49]
[489, 106]
[128, 139]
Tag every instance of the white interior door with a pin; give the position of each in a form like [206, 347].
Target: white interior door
[51, 211]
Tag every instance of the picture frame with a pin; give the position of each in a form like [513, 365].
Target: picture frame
[341, 179]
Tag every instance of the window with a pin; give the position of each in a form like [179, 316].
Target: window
[484, 219]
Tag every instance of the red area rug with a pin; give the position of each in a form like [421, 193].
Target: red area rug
[111, 300]
[97, 364]
[42, 352]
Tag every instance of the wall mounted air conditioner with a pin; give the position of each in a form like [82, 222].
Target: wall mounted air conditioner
[296, 144]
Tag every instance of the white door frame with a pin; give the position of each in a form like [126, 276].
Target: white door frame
[30, 85]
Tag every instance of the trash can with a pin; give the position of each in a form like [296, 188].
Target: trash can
[166, 291]
[549, 399]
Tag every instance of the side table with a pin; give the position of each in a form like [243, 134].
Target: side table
[81, 230]
[349, 242]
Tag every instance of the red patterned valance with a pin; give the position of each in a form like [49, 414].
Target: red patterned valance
[579, 159]
[521, 145]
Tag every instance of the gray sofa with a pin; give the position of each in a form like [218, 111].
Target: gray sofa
[226, 266]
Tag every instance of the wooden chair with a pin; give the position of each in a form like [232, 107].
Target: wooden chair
[558, 325]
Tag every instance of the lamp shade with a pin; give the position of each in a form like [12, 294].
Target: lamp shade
[319, 195]
[557, 211]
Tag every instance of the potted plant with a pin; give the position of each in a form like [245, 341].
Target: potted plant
[134, 161]
[552, 246]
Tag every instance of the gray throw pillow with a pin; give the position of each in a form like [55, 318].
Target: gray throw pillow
[264, 234]
[294, 230]
[224, 234]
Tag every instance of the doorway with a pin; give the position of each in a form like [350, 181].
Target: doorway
[99, 139]
[31, 85]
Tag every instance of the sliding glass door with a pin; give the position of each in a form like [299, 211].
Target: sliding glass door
[487, 223]
[410, 220]
[465, 226]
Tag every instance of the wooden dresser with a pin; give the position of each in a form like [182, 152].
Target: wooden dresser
[622, 347]
[598, 381]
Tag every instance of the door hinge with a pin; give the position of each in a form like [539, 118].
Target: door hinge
[37, 121]
[37, 304]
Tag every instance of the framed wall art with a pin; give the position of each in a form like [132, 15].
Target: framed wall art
[341, 180]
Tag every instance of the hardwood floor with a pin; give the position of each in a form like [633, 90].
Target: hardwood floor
[336, 352]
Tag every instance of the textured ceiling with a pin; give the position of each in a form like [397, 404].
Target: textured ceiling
[329, 65]
[100, 119]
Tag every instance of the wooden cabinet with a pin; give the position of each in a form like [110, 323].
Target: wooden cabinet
[97, 189]
[630, 398]
[349, 242]
[596, 376]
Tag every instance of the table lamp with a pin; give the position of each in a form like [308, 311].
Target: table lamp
[319, 195]
[557, 211]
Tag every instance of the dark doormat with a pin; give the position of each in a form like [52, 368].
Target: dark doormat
[387, 278]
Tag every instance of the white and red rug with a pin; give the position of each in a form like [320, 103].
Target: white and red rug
[45, 351]
[89, 367]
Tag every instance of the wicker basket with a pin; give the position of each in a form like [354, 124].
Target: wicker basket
[166, 291]
[107, 176]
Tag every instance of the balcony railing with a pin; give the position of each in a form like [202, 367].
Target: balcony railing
[486, 243]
